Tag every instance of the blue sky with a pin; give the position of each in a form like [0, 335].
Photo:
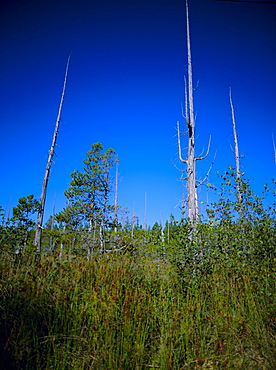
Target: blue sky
[125, 89]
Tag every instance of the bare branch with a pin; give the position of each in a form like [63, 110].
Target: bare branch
[208, 172]
[181, 201]
[182, 111]
[232, 150]
[208, 149]
[177, 167]
[197, 84]
[201, 152]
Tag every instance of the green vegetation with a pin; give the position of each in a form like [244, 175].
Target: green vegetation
[139, 299]
[136, 312]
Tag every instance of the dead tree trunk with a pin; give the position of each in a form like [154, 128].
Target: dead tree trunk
[116, 198]
[193, 213]
[191, 163]
[145, 213]
[236, 154]
[37, 240]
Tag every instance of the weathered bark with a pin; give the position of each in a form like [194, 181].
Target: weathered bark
[37, 240]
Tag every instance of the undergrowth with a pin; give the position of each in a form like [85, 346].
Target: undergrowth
[135, 312]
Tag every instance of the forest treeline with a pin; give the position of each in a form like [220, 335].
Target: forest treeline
[92, 223]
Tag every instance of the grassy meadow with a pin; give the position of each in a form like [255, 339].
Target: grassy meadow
[133, 311]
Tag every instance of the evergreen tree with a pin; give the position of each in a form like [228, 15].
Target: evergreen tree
[21, 216]
[89, 192]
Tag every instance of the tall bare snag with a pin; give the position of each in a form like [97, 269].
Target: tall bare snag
[192, 184]
[236, 153]
[37, 240]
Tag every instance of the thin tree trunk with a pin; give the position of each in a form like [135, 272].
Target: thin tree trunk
[89, 241]
[145, 213]
[161, 227]
[94, 236]
[236, 153]
[61, 244]
[51, 246]
[37, 240]
[116, 198]
[102, 236]
[134, 218]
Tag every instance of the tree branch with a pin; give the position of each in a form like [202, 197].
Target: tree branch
[208, 172]
[208, 149]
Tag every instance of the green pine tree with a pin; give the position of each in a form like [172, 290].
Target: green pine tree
[88, 195]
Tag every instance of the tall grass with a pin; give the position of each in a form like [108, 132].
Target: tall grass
[125, 312]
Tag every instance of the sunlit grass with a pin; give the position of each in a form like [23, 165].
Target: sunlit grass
[125, 312]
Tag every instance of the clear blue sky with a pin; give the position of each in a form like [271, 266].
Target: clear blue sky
[125, 88]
